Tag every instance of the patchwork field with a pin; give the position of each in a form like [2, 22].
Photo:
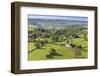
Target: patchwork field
[65, 53]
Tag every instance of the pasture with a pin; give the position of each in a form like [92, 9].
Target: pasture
[66, 53]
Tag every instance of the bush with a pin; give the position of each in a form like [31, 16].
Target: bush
[72, 45]
[75, 36]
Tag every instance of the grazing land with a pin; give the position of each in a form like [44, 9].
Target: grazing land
[51, 39]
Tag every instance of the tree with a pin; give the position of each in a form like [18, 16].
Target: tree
[55, 38]
[72, 45]
[37, 44]
[52, 51]
[60, 38]
[75, 36]
[85, 37]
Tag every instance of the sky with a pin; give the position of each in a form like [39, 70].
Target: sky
[76, 18]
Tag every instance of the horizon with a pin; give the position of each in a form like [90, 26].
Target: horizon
[71, 18]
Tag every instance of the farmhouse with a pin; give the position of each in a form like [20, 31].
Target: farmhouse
[68, 46]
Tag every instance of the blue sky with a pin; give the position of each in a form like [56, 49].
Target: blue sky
[76, 18]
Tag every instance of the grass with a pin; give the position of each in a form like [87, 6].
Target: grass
[67, 53]
[80, 41]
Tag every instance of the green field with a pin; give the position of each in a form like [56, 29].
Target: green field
[66, 53]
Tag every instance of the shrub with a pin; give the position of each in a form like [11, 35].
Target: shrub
[72, 45]
[75, 36]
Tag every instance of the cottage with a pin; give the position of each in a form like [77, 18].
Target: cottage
[68, 46]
